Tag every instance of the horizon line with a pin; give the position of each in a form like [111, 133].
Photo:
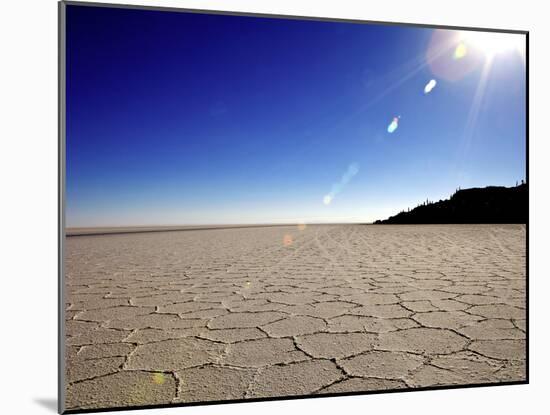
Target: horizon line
[109, 230]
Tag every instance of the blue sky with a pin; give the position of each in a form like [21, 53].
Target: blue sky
[177, 118]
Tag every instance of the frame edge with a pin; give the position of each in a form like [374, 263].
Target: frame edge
[61, 106]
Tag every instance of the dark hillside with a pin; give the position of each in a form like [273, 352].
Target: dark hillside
[477, 205]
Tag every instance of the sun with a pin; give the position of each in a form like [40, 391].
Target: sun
[492, 43]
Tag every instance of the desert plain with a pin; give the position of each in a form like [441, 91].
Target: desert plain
[240, 313]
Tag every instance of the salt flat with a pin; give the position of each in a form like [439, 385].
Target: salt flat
[202, 315]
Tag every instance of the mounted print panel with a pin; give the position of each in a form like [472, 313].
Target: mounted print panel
[260, 207]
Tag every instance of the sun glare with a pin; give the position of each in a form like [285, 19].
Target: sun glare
[492, 43]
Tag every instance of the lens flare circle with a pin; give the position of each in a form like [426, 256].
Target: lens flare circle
[158, 378]
[287, 240]
[430, 86]
[393, 125]
[449, 58]
[460, 51]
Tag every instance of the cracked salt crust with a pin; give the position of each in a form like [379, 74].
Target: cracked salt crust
[171, 317]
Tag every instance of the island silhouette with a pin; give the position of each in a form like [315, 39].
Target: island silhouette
[491, 204]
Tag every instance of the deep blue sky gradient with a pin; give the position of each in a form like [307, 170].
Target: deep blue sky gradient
[178, 118]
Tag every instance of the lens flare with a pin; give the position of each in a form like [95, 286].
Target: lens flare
[492, 43]
[460, 51]
[287, 240]
[350, 173]
[429, 86]
[393, 125]
[158, 378]
[302, 227]
[449, 57]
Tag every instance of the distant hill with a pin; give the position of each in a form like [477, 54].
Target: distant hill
[477, 205]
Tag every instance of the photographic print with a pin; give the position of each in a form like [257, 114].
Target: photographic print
[260, 207]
